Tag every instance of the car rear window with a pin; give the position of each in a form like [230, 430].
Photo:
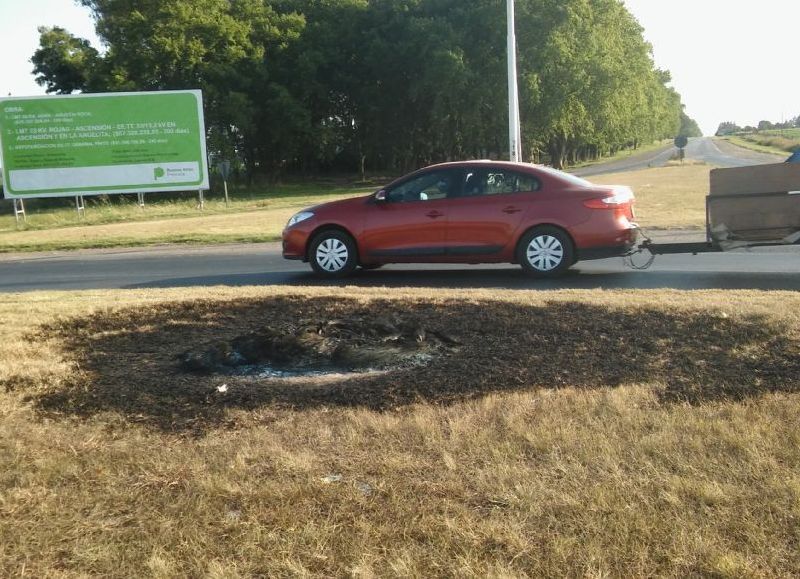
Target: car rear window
[572, 179]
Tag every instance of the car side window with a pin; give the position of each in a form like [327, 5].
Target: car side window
[426, 187]
[525, 183]
[498, 182]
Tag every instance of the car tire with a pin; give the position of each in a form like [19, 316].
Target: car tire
[333, 254]
[546, 251]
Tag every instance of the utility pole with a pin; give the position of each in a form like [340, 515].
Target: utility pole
[514, 133]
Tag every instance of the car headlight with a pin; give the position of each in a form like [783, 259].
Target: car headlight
[298, 217]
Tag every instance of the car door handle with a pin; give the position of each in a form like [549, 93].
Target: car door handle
[511, 209]
[434, 214]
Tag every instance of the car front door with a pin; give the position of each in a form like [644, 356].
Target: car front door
[410, 224]
[484, 220]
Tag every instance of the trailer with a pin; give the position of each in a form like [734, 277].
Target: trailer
[755, 206]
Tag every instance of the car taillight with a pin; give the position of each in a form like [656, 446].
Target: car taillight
[618, 198]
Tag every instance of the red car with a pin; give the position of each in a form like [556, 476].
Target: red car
[468, 212]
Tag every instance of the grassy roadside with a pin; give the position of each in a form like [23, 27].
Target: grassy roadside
[770, 144]
[112, 463]
[61, 213]
[251, 219]
[244, 227]
[624, 154]
[667, 197]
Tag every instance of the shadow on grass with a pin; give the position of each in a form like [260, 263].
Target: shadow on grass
[128, 359]
[505, 277]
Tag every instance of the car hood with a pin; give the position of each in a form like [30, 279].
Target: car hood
[339, 205]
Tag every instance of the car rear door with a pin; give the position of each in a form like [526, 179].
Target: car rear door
[483, 222]
[411, 224]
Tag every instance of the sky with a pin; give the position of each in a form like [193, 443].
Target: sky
[19, 38]
[730, 60]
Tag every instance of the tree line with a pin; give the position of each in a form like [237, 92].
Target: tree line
[315, 85]
[731, 128]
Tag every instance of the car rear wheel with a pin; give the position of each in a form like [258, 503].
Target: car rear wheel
[546, 252]
[333, 254]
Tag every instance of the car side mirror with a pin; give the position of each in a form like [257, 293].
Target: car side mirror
[380, 196]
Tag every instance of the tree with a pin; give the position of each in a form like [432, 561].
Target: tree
[63, 63]
[727, 128]
[311, 85]
[689, 127]
[596, 88]
[218, 46]
[765, 125]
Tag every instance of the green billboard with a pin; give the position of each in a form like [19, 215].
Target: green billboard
[89, 144]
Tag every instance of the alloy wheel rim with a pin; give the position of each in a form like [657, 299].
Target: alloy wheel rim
[332, 255]
[545, 253]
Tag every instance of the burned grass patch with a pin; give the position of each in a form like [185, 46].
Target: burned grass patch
[350, 345]
[133, 361]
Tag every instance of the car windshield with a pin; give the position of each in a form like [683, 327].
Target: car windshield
[565, 176]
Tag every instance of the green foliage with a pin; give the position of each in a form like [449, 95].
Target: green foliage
[63, 63]
[689, 127]
[598, 90]
[727, 128]
[791, 133]
[765, 125]
[318, 84]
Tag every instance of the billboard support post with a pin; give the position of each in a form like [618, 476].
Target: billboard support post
[202, 204]
[140, 200]
[80, 206]
[225, 170]
[19, 211]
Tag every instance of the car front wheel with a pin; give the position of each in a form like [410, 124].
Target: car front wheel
[333, 254]
[546, 252]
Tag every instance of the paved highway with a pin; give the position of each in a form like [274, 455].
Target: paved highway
[261, 264]
[705, 149]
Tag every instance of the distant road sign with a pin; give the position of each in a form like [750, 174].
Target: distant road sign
[90, 144]
[225, 169]
[681, 141]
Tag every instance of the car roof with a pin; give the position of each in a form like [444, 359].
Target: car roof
[537, 169]
[468, 163]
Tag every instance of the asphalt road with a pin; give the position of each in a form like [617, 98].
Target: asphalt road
[262, 264]
[705, 149]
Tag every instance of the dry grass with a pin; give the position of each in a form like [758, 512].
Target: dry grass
[656, 435]
[774, 142]
[239, 227]
[671, 197]
[253, 225]
[624, 154]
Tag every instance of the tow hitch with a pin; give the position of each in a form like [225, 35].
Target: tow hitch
[647, 247]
